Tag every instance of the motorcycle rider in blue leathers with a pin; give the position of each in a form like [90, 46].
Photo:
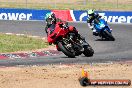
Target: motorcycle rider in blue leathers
[91, 16]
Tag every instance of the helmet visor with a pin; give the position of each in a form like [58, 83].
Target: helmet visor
[91, 14]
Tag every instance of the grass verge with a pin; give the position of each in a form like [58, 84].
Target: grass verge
[13, 43]
[77, 5]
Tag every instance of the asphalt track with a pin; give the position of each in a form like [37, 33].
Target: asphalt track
[105, 51]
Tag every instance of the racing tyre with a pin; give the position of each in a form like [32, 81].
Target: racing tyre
[58, 48]
[66, 51]
[109, 36]
[78, 53]
[88, 51]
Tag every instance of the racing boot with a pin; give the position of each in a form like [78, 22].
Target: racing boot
[83, 41]
[95, 32]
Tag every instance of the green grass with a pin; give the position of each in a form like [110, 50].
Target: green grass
[98, 5]
[12, 43]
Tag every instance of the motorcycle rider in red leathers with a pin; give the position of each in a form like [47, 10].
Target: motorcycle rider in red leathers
[51, 21]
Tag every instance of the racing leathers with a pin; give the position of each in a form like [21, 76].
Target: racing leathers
[50, 22]
[64, 25]
[90, 20]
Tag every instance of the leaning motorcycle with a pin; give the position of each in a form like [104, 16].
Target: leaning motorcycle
[67, 41]
[103, 29]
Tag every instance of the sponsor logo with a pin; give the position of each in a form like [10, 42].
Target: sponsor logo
[82, 16]
[15, 16]
[86, 81]
[114, 82]
[78, 15]
[119, 19]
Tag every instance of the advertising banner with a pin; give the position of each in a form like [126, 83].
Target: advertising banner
[22, 14]
[63, 14]
[117, 16]
[66, 15]
[110, 16]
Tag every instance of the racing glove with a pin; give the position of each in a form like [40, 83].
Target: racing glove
[90, 26]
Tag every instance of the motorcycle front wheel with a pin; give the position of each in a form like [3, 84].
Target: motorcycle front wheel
[88, 51]
[65, 50]
[109, 36]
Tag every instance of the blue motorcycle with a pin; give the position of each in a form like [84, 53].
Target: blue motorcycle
[103, 29]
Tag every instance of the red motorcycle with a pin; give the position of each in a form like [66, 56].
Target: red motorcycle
[67, 41]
